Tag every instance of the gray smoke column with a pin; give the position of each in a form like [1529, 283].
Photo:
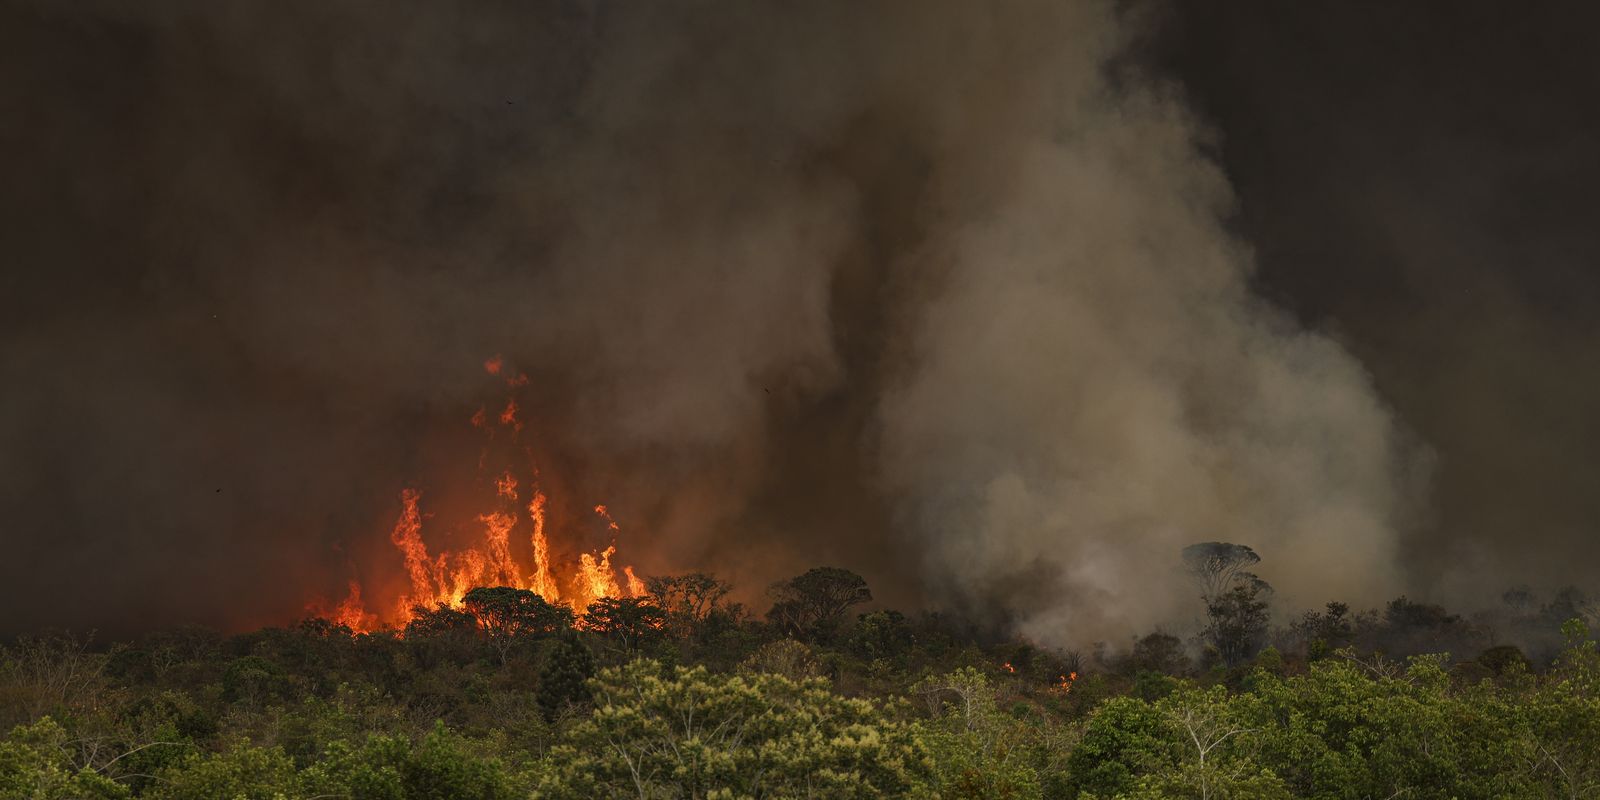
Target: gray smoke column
[936, 290]
[1093, 385]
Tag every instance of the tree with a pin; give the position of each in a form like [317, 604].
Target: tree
[1215, 566]
[1193, 743]
[691, 734]
[442, 765]
[978, 751]
[1324, 631]
[1235, 599]
[54, 673]
[240, 772]
[813, 604]
[786, 657]
[632, 621]
[1374, 731]
[443, 634]
[1217, 750]
[563, 680]
[687, 600]
[439, 621]
[36, 762]
[253, 680]
[1237, 621]
[1157, 652]
[881, 634]
[511, 616]
[1564, 719]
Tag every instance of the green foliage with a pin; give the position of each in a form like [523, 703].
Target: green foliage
[36, 763]
[881, 635]
[253, 680]
[1236, 620]
[1153, 686]
[1563, 718]
[315, 710]
[979, 752]
[688, 733]
[242, 772]
[442, 766]
[786, 657]
[563, 680]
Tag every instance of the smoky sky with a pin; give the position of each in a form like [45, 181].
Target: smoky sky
[1419, 178]
[998, 304]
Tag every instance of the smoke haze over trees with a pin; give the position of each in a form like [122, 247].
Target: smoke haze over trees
[963, 296]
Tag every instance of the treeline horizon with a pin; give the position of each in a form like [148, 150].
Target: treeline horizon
[683, 692]
[1233, 619]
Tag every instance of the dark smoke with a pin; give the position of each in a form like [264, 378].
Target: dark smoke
[940, 291]
[1421, 177]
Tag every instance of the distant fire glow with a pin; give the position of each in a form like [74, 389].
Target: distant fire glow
[514, 548]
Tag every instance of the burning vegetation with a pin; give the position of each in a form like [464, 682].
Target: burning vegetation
[513, 540]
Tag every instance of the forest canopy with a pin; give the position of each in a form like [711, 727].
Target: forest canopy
[683, 693]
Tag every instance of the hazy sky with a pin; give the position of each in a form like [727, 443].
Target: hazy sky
[999, 304]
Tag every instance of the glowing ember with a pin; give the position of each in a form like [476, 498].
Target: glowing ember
[506, 485]
[444, 577]
[509, 416]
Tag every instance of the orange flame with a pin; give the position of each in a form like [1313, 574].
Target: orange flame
[541, 581]
[407, 536]
[352, 614]
[502, 569]
[597, 577]
[446, 576]
[506, 486]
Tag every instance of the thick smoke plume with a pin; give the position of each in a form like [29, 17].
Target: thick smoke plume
[935, 290]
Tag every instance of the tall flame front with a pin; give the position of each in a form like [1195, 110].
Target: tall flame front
[444, 577]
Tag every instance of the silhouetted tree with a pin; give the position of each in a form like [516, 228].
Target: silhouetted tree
[1215, 566]
[812, 605]
[441, 620]
[1237, 620]
[687, 600]
[1235, 599]
[631, 621]
[511, 616]
[1520, 599]
[1324, 631]
[1157, 652]
[442, 633]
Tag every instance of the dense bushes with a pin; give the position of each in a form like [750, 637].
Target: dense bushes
[691, 697]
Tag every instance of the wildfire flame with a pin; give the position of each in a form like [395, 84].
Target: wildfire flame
[444, 577]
